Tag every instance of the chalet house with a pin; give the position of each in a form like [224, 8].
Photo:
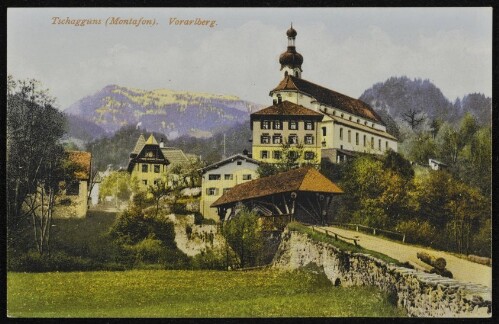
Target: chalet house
[286, 123]
[150, 160]
[303, 194]
[348, 125]
[218, 178]
[73, 201]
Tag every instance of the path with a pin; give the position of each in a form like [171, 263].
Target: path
[462, 270]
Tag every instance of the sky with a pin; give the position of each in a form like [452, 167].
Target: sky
[344, 49]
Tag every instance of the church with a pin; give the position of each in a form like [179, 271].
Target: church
[349, 125]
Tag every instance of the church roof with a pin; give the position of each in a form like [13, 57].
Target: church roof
[287, 108]
[303, 179]
[328, 97]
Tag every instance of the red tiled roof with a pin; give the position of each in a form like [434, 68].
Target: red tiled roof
[287, 108]
[328, 97]
[302, 179]
[82, 159]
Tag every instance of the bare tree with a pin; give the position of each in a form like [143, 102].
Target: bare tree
[413, 117]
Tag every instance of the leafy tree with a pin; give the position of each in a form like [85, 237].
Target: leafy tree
[397, 163]
[34, 160]
[244, 235]
[118, 184]
[158, 191]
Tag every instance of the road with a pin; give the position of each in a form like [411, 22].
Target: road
[462, 270]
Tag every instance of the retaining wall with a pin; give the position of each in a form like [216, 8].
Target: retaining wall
[421, 294]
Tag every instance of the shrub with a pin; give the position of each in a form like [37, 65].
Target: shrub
[33, 261]
[210, 259]
[149, 250]
[418, 232]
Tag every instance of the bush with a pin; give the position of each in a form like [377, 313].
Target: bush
[32, 261]
[213, 260]
[148, 250]
[418, 232]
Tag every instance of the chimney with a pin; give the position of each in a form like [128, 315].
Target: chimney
[161, 144]
[245, 152]
[279, 99]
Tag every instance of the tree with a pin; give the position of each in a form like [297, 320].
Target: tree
[290, 157]
[34, 157]
[244, 235]
[118, 184]
[413, 117]
[159, 190]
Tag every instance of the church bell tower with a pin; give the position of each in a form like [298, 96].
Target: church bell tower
[291, 60]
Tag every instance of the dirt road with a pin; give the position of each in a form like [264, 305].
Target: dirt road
[462, 270]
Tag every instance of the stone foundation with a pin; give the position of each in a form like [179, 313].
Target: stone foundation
[421, 294]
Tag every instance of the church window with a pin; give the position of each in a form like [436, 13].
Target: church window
[356, 138]
[323, 131]
[341, 133]
[379, 144]
[309, 139]
[309, 155]
[372, 142]
[365, 141]
[349, 136]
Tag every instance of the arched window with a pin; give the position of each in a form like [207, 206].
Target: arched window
[285, 73]
[296, 73]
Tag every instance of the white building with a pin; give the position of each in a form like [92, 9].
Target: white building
[219, 177]
[349, 125]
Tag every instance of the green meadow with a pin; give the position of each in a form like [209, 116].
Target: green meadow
[184, 293]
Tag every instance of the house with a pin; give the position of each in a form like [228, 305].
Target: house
[303, 194]
[437, 165]
[285, 122]
[218, 178]
[72, 202]
[348, 125]
[147, 162]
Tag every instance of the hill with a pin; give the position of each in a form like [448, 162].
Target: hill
[173, 113]
[402, 99]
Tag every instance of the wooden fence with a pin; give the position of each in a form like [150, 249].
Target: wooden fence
[374, 231]
[335, 235]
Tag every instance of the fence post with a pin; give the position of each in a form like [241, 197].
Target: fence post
[374, 231]
[357, 228]
[403, 239]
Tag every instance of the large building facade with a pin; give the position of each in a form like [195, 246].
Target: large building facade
[286, 123]
[349, 125]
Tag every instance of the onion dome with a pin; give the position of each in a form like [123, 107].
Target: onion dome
[291, 58]
[291, 32]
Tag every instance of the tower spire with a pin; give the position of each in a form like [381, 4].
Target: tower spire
[291, 60]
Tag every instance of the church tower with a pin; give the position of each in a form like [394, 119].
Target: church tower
[291, 60]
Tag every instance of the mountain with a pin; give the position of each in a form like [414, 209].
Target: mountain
[80, 128]
[174, 113]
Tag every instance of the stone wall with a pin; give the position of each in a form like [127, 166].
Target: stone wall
[421, 294]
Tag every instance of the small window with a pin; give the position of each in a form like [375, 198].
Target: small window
[309, 125]
[386, 145]
[144, 182]
[225, 190]
[239, 162]
[309, 139]
[212, 191]
[277, 139]
[265, 124]
[246, 176]
[144, 167]
[323, 131]
[293, 139]
[293, 125]
[264, 154]
[365, 140]
[214, 177]
[356, 138]
[276, 155]
[228, 177]
[73, 188]
[309, 155]
[358, 121]
[341, 133]
[379, 144]
[293, 154]
[349, 136]
[265, 139]
[156, 168]
[365, 123]
[350, 118]
[277, 124]
[372, 142]
[342, 115]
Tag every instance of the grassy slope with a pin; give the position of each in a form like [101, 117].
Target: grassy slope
[264, 293]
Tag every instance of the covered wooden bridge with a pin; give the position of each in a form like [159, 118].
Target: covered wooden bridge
[303, 194]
